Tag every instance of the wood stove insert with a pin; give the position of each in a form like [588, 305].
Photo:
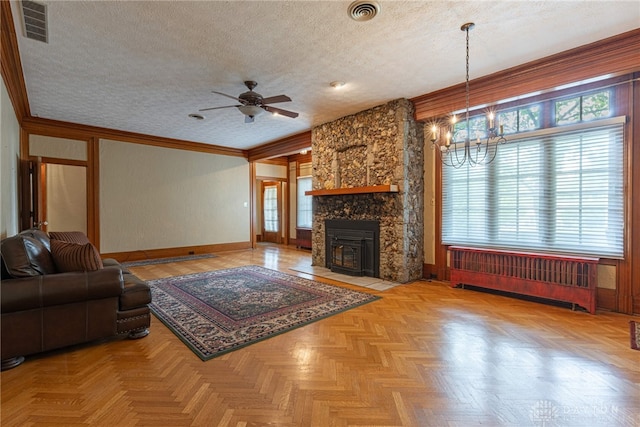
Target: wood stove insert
[352, 247]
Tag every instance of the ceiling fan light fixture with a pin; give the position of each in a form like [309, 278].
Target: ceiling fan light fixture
[250, 110]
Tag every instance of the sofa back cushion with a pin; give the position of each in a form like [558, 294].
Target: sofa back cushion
[70, 236]
[26, 256]
[75, 257]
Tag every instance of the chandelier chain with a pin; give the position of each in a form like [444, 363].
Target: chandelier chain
[467, 88]
[474, 151]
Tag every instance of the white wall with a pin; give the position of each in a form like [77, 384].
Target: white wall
[271, 171]
[154, 198]
[66, 198]
[9, 162]
[59, 148]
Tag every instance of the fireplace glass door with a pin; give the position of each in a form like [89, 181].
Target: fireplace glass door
[346, 256]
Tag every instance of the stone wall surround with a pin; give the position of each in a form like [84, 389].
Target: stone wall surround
[380, 146]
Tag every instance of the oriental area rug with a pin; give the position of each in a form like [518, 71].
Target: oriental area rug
[216, 312]
[635, 334]
[153, 261]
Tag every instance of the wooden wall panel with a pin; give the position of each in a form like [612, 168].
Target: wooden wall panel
[634, 198]
[606, 299]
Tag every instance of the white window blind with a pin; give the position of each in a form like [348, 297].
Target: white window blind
[304, 211]
[556, 190]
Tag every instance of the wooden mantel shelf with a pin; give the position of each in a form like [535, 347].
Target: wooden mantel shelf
[355, 190]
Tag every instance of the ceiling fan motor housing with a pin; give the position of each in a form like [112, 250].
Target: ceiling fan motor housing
[251, 98]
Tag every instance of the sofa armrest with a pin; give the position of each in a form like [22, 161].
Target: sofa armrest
[58, 289]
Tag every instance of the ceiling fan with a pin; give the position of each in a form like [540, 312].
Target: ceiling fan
[252, 103]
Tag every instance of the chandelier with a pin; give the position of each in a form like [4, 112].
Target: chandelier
[480, 148]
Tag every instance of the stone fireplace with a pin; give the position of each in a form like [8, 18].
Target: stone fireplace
[369, 168]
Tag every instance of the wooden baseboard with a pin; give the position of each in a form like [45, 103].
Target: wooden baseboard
[606, 299]
[429, 271]
[143, 254]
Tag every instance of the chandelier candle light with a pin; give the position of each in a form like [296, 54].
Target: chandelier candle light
[456, 154]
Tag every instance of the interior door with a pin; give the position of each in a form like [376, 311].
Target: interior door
[271, 208]
[53, 196]
[31, 215]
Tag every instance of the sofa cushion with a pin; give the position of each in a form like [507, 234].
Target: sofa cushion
[25, 256]
[74, 257]
[70, 236]
[39, 235]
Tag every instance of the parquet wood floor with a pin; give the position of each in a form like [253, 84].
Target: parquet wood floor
[423, 355]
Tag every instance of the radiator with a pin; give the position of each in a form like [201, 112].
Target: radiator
[556, 277]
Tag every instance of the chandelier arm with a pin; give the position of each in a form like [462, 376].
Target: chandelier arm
[458, 164]
[446, 154]
[485, 152]
[465, 157]
[479, 150]
[495, 151]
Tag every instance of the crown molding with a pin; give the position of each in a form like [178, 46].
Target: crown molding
[282, 147]
[11, 64]
[36, 125]
[609, 57]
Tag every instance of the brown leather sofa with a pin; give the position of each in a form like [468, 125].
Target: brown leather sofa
[45, 309]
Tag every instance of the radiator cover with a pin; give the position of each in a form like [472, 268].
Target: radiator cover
[556, 277]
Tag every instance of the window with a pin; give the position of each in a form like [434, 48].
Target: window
[558, 189]
[270, 208]
[305, 213]
[477, 128]
[520, 119]
[583, 108]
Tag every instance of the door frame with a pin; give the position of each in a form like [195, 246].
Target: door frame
[277, 236]
[92, 165]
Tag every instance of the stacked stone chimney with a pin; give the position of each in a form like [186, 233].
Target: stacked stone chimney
[380, 146]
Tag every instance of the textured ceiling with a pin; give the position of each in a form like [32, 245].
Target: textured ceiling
[145, 66]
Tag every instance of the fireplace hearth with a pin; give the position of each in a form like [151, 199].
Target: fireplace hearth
[353, 247]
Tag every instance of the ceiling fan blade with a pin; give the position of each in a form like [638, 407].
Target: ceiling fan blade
[228, 96]
[248, 119]
[276, 99]
[217, 108]
[280, 111]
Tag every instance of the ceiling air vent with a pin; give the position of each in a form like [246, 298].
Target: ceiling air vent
[363, 10]
[34, 16]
